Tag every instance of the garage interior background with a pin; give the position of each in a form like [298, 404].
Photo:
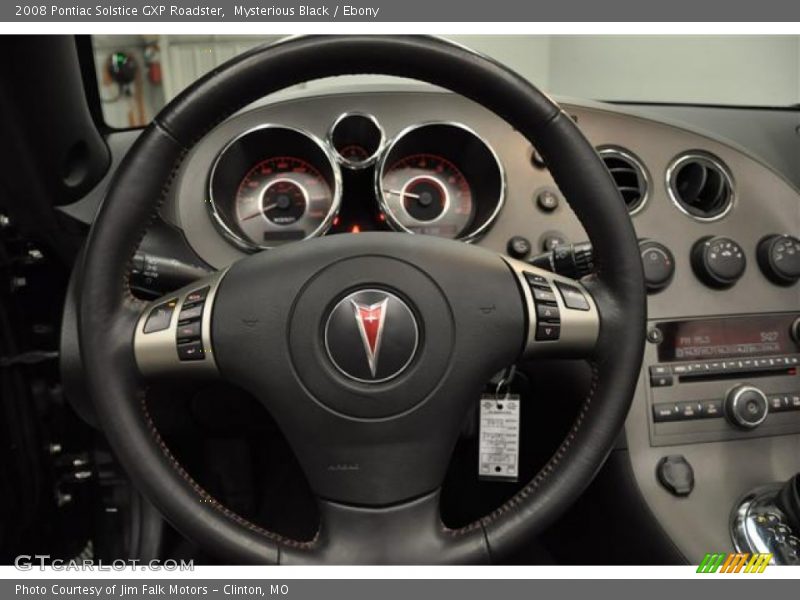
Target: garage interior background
[737, 70]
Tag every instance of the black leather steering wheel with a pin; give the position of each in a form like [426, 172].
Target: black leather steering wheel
[281, 324]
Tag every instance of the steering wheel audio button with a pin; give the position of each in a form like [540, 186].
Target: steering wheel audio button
[573, 297]
[543, 295]
[160, 317]
[546, 332]
[191, 351]
[547, 312]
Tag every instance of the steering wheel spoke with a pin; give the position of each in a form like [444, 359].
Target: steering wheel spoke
[173, 333]
[563, 317]
[411, 532]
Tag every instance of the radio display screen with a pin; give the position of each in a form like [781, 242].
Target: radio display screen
[736, 337]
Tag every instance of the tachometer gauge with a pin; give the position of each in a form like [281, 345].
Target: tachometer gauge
[274, 185]
[429, 194]
[440, 179]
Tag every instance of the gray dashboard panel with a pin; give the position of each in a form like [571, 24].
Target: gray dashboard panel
[766, 203]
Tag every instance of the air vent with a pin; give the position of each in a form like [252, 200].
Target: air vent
[630, 176]
[701, 186]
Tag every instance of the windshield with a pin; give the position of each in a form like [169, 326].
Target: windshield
[137, 75]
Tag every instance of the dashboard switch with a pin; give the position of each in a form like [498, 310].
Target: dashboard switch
[676, 475]
[547, 201]
[518, 247]
[658, 264]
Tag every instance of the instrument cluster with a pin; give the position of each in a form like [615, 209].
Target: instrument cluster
[275, 184]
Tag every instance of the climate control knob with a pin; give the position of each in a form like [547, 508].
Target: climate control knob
[718, 261]
[779, 258]
[746, 406]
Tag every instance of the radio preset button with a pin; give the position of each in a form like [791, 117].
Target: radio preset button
[712, 408]
[666, 412]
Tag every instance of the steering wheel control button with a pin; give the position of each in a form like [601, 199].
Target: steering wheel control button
[534, 279]
[548, 313]
[518, 247]
[541, 294]
[658, 264]
[547, 332]
[718, 262]
[676, 475]
[193, 311]
[779, 258]
[572, 296]
[548, 316]
[196, 296]
[371, 336]
[746, 406]
[191, 351]
[189, 331]
[160, 317]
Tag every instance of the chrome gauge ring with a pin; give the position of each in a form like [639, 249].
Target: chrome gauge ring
[273, 185]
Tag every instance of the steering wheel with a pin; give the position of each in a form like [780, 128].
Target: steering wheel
[368, 350]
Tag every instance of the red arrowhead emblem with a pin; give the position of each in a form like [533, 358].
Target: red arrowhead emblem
[370, 320]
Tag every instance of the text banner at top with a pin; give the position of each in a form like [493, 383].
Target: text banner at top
[463, 11]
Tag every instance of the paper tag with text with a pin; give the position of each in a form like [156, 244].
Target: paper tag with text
[498, 446]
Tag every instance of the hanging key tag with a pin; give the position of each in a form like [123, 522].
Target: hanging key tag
[498, 434]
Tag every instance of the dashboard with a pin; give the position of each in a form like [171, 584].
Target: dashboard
[718, 232]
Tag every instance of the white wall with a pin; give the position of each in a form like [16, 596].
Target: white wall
[758, 70]
[745, 70]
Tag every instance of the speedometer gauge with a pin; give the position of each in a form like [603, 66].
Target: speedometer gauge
[440, 179]
[274, 185]
[282, 198]
[429, 194]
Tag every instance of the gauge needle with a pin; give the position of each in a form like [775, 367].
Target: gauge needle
[259, 213]
[401, 193]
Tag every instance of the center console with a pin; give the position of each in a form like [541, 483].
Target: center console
[724, 378]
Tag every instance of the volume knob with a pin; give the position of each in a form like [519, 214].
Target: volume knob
[746, 406]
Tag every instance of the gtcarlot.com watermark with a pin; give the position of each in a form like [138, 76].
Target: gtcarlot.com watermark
[42, 562]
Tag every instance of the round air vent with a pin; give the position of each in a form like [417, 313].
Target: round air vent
[630, 176]
[701, 186]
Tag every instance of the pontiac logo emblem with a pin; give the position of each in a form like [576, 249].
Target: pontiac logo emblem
[370, 324]
[371, 336]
